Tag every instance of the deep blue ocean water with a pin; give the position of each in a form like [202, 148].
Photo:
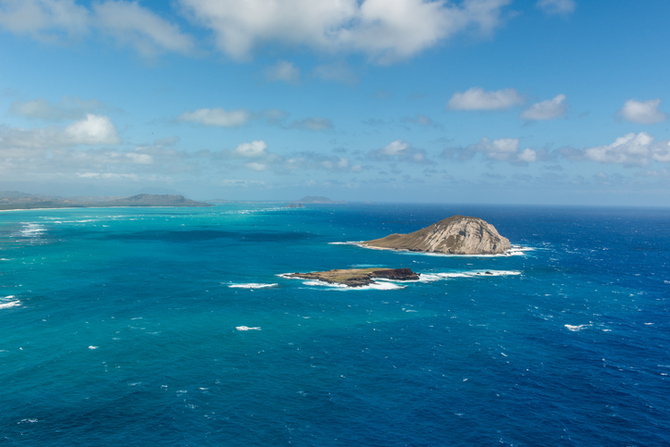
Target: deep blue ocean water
[171, 327]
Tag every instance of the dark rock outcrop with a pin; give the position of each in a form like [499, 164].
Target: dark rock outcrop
[358, 277]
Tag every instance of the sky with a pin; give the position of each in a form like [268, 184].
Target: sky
[551, 102]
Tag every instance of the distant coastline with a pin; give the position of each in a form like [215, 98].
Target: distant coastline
[24, 202]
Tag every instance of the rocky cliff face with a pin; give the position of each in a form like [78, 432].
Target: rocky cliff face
[456, 235]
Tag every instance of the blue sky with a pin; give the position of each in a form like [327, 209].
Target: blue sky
[481, 101]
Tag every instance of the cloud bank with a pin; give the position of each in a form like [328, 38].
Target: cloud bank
[385, 31]
[478, 99]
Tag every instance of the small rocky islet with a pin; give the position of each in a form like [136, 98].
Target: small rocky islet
[358, 277]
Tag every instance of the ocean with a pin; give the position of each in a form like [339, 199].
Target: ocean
[173, 327]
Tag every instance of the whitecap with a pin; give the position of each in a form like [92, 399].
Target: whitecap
[252, 285]
[8, 301]
[247, 328]
[381, 285]
[430, 277]
[515, 250]
[93, 347]
[576, 328]
[32, 230]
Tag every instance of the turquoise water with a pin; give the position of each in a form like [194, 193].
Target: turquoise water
[171, 326]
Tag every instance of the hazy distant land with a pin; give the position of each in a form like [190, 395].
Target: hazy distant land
[14, 200]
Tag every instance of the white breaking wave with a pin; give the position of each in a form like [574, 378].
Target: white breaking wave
[9, 301]
[252, 285]
[384, 285]
[576, 328]
[430, 277]
[32, 230]
[247, 328]
[515, 250]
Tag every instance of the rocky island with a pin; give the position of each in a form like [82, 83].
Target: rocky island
[358, 277]
[459, 235]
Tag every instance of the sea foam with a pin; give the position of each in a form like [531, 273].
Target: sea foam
[515, 250]
[9, 301]
[430, 277]
[252, 285]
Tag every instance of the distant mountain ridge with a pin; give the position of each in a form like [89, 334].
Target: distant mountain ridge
[317, 200]
[10, 200]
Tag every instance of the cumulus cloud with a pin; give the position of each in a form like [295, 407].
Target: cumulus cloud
[478, 99]
[400, 150]
[553, 7]
[546, 110]
[94, 129]
[502, 149]
[65, 109]
[643, 112]
[385, 31]
[255, 149]
[126, 22]
[283, 71]
[216, 117]
[630, 150]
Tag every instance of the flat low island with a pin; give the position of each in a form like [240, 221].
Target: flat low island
[358, 277]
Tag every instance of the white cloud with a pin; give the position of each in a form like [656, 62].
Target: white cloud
[65, 109]
[126, 21]
[546, 110]
[552, 7]
[254, 166]
[630, 150]
[478, 99]
[501, 149]
[255, 149]
[396, 147]
[131, 24]
[283, 71]
[216, 117]
[94, 129]
[643, 112]
[528, 155]
[400, 150]
[384, 30]
[45, 20]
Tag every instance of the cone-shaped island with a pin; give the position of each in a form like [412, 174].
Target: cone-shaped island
[458, 235]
